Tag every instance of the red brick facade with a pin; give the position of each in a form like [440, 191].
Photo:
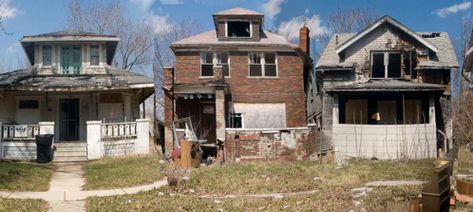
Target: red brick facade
[288, 88]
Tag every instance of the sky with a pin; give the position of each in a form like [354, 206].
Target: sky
[30, 17]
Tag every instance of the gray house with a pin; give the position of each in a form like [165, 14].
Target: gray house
[70, 82]
[385, 92]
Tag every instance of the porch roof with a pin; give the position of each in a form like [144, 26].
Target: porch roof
[380, 85]
[197, 88]
[114, 79]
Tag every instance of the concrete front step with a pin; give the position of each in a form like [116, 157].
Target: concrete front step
[70, 153]
[69, 158]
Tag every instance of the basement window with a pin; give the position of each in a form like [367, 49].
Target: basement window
[386, 65]
[238, 29]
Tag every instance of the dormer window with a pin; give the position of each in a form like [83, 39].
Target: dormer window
[238, 29]
[94, 55]
[47, 55]
[386, 65]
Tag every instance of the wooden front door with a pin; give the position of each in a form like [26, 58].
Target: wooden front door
[69, 120]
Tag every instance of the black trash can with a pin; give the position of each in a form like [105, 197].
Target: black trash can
[44, 149]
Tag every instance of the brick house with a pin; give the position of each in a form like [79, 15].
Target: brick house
[386, 92]
[243, 86]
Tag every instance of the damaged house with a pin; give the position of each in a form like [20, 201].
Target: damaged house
[245, 90]
[468, 63]
[72, 91]
[386, 92]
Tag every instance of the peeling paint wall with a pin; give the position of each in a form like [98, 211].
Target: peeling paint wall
[278, 144]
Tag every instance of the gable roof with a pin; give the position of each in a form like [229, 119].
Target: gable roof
[238, 11]
[378, 23]
[446, 57]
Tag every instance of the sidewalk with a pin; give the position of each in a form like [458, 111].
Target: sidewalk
[65, 191]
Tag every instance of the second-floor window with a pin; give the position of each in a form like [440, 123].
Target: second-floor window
[263, 65]
[239, 29]
[47, 55]
[211, 59]
[386, 65]
[94, 55]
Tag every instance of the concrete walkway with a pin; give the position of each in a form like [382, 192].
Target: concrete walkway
[65, 190]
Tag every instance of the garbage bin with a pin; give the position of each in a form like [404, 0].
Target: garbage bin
[44, 150]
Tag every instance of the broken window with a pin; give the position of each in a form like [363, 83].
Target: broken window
[386, 65]
[47, 55]
[263, 65]
[208, 63]
[94, 55]
[236, 120]
[239, 29]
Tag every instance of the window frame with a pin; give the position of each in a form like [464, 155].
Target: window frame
[385, 63]
[262, 64]
[238, 20]
[240, 115]
[19, 107]
[50, 55]
[98, 55]
[215, 62]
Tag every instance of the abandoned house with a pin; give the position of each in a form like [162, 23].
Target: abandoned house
[386, 92]
[245, 90]
[72, 91]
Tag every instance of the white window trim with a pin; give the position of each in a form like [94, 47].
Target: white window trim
[242, 115]
[263, 63]
[214, 63]
[226, 28]
[385, 63]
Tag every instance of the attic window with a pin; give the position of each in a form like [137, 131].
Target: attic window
[47, 52]
[94, 55]
[238, 29]
[386, 65]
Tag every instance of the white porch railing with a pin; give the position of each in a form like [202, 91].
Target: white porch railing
[20, 132]
[118, 130]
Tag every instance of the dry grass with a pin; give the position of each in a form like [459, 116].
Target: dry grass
[464, 162]
[333, 185]
[122, 172]
[25, 176]
[27, 205]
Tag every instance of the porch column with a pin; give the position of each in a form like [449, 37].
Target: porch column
[220, 114]
[168, 109]
[142, 140]
[93, 140]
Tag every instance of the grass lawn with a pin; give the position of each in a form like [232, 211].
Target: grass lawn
[333, 184]
[19, 176]
[27, 205]
[122, 172]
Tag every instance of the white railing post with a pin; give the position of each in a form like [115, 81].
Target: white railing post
[142, 139]
[93, 140]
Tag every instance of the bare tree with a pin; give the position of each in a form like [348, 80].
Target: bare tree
[104, 17]
[345, 21]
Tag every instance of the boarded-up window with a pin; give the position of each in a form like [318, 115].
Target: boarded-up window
[387, 113]
[356, 111]
[264, 115]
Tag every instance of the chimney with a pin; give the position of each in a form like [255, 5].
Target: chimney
[168, 77]
[304, 39]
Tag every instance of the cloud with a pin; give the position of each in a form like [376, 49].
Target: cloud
[172, 2]
[290, 29]
[7, 11]
[272, 8]
[145, 4]
[160, 24]
[444, 12]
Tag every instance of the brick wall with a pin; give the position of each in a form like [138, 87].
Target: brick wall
[290, 144]
[288, 88]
